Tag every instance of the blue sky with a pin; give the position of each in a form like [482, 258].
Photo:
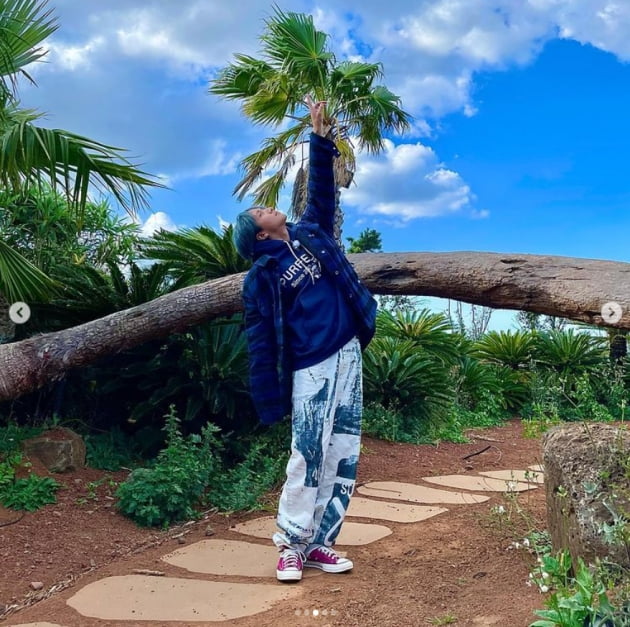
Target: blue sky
[521, 124]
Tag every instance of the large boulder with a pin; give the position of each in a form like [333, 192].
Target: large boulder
[585, 478]
[59, 449]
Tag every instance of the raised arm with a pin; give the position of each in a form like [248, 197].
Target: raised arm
[320, 201]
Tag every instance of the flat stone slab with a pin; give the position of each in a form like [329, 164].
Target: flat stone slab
[418, 493]
[397, 512]
[488, 621]
[36, 625]
[137, 597]
[527, 476]
[230, 557]
[482, 484]
[351, 533]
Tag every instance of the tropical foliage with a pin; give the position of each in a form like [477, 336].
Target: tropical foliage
[31, 154]
[296, 60]
[195, 255]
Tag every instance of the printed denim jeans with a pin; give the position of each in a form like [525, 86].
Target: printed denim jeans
[327, 406]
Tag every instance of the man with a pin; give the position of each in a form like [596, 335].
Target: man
[307, 317]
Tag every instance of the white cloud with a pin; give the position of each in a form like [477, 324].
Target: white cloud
[220, 160]
[406, 182]
[155, 222]
[72, 58]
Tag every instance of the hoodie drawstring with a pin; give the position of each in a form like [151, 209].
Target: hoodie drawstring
[299, 261]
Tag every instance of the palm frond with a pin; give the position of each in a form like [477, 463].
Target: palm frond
[241, 80]
[20, 279]
[375, 113]
[268, 192]
[24, 25]
[271, 104]
[352, 77]
[73, 162]
[293, 44]
[274, 151]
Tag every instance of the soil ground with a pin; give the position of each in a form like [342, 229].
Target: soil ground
[457, 568]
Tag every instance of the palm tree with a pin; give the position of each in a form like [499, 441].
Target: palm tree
[32, 154]
[297, 61]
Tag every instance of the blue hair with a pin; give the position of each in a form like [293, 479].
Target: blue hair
[245, 229]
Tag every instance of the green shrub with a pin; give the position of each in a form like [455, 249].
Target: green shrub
[169, 491]
[242, 486]
[581, 600]
[487, 412]
[28, 494]
[8, 463]
[385, 424]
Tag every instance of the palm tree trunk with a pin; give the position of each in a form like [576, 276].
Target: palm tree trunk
[343, 178]
[558, 286]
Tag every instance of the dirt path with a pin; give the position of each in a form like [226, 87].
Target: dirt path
[457, 566]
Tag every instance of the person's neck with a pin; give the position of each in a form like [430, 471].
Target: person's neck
[282, 233]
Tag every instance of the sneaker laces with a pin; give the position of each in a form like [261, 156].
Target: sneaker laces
[326, 550]
[293, 558]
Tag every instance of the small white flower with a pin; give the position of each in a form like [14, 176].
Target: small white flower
[545, 575]
[539, 560]
[526, 542]
[517, 545]
[544, 588]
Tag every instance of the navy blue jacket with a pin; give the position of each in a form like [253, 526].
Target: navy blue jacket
[270, 370]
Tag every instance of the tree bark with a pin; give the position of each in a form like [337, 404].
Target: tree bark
[559, 286]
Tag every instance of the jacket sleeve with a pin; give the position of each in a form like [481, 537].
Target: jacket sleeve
[320, 198]
[266, 391]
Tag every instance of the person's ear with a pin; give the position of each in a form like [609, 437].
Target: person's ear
[261, 235]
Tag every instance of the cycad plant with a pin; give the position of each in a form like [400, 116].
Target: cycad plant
[570, 353]
[203, 372]
[506, 348]
[430, 331]
[88, 293]
[400, 375]
[296, 61]
[194, 255]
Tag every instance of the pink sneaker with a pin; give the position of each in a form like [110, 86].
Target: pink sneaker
[290, 565]
[324, 558]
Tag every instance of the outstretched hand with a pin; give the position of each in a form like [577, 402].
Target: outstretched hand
[318, 115]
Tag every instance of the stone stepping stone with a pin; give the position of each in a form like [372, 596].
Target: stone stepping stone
[482, 484]
[397, 512]
[418, 493]
[230, 557]
[137, 597]
[528, 476]
[351, 533]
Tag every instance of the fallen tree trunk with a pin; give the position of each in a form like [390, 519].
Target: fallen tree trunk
[559, 286]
